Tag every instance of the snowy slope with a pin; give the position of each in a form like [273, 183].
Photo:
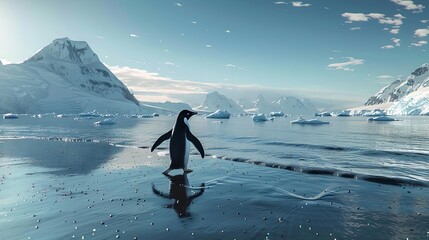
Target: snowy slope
[415, 103]
[294, 106]
[244, 103]
[215, 101]
[401, 88]
[65, 76]
[260, 105]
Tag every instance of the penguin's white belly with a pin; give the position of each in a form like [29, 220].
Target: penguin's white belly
[187, 147]
[187, 150]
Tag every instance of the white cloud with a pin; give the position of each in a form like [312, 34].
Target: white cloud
[229, 65]
[209, 46]
[100, 37]
[170, 63]
[149, 86]
[355, 28]
[346, 65]
[419, 43]
[424, 21]
[394, 31]
[391, 21]
[396, 41]
[133, 35]
[399, 16]
[382, 19]
[300, 4]
[376, 15]
[228, 31]
[409, 5]
[355, 17]
[385, 77]
[279, 3]
[421, 32]
[178, 4]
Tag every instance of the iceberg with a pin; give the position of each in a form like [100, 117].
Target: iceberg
[220, 114]
[375, 113]
[146, 116]
[303, 121]
[261, 118]
[107, 121]
[323, 114]
[343, 113]
[277, 114]
[9, 116]
[92, 114]
[382, 119]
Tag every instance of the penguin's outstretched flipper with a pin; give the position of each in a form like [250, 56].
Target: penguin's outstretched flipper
[194, 140]
[161, 139]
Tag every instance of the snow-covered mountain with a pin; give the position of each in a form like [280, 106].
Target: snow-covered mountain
[408, 96]
[401, 87]
[288, 105]
[244, 103]
[415, 103]
[215, 101]
[294, 106]
[66, 76]
[260, 105]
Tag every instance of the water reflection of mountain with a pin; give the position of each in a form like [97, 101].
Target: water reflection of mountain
[60, 157]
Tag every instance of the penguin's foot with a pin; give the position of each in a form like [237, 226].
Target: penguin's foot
[166, 171]
[187, 170]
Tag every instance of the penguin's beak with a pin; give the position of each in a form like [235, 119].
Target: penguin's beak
[193, 113]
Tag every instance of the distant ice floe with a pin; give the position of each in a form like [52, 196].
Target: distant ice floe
[107, 121]
[261, 118]
[382, 119]
[303, 121]
[277, 114]
[323, 114]
[343, 113]
[10, 116]
[92, 114]
[219, 114]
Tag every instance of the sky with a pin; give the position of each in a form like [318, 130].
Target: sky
[336, 53]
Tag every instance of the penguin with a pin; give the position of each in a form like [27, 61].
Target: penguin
[180, 137]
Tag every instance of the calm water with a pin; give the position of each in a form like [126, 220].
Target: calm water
[393, 152]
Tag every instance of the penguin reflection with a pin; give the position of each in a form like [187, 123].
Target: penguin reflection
[181, 193]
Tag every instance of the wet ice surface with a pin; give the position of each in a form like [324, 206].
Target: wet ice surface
[115, 198]
[51, 188]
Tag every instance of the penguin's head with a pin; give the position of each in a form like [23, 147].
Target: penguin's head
[186, 114]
